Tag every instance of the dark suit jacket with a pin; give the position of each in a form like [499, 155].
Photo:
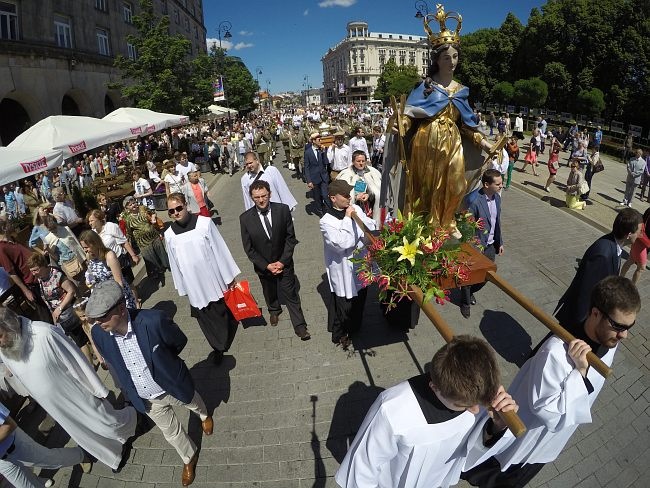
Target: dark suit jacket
[259, 249]
[479, 208]
[599, 261]
[161, 341]
[315, 168]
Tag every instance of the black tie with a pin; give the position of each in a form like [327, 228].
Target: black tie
[267, 223]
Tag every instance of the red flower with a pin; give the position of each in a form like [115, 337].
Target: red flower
[378, 245]
[480, 223]
[383, 282]
[445, 298]
[395, 226]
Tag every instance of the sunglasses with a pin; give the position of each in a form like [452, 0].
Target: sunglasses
[616, 326]
[175, 210]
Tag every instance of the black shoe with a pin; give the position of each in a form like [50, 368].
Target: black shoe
[472, 299]
[465, 311]
[303, 333]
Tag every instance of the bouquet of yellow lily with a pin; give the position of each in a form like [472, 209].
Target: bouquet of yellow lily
[408, 251]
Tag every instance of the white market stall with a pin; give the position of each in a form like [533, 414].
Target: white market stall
[220, 111]
[153, 121]
[73, 135]
[19, 163]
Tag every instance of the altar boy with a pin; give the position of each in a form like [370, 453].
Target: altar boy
[415, 434]
[556, 390]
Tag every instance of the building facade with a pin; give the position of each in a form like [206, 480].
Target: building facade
[56, 56]
[352, 67]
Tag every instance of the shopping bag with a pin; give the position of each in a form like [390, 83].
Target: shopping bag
[241, 303]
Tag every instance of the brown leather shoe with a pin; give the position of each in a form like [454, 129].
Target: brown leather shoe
[303, 333]
[207, 425]
[273, 320]
[188, 470]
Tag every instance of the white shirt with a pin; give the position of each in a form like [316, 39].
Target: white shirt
[182, 171]
[268, 216]
[64, 214]
[134, 361]
[339, 157]
[280, 192]
[174, 183]
[113, 238]
[358, 144]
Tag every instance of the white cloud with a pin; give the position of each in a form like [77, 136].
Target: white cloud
[337, 3]
[306, 12]
[226, 44]
[245, 33]
[243, 45]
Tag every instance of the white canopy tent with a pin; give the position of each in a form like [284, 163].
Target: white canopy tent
[74, 135]
[220, 111]
[19, 163]
[154, 121]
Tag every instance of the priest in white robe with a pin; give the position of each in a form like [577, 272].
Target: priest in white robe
[202, 269]
[342, 237]
[415, 434]
[280, 192]
[61, 380]
[556, 390]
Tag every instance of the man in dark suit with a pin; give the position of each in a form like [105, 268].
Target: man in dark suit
[602, 259]
[269, 239]
[141, 348]
[316, 173]
[485, 205]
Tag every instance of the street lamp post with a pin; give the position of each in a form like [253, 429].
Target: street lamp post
[268, 94]
[258, 72]
[224, 28]
[306, 85]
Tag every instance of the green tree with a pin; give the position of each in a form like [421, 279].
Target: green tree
[503, 92]
[591, 102]
[239, 85]
[503, 47]
[473, 68]
[395, 81]
[531, 92]
[158, 78]
[557, 77]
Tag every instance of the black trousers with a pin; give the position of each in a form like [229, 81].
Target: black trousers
[320, 195]
[286, 285]
[467, 291]
[345, 315]
[489, 475]
[217, 324]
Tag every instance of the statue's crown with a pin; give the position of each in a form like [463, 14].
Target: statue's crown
[445, 36]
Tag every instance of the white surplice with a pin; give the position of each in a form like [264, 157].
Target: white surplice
[396, 447]
[341, 238]
[280, 192]
[61, 380]
[201, 264]
[553, 401]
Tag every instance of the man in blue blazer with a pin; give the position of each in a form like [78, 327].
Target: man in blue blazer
[486, 205]
[601, 259]
[316, 173]
[141, 348]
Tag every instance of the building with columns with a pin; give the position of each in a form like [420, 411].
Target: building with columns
[56, 56]
[352, 67]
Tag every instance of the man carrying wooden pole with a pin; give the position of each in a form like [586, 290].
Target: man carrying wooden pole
[556, 390]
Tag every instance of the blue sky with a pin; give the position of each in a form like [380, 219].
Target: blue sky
[287, 38]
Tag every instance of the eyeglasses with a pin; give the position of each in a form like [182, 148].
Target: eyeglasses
[175, 210]
[616, 326]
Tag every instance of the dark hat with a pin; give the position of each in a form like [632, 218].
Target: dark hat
[339, 187]
[103, 298]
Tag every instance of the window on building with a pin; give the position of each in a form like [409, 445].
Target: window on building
[187, 24]
[363, 68]
[196, 32]
[62, 31]
[127, 12]
[101, 5]
[8, 21]
[379, 36]
[130, 49]
[411, 58]
[193, 9]
[390, 36]
[177, 16]
[163, 7]
[103, 44]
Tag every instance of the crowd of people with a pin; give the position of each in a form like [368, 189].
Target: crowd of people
[76, 273]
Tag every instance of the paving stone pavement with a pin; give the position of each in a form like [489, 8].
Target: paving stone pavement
[285, 410]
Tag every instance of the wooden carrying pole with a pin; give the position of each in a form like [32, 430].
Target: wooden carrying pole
[594, 361]
[511, 419]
